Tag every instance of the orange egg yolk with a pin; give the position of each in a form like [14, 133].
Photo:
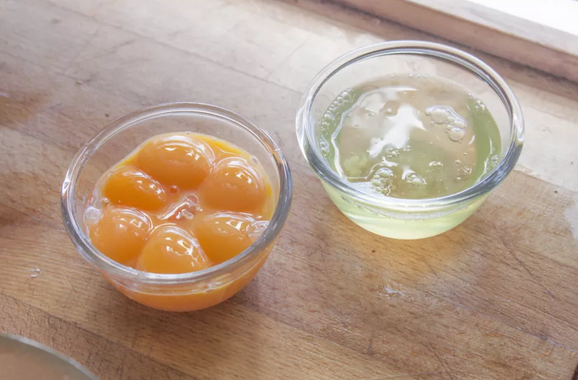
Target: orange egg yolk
[121, 233]
[233, 186]
[170, 249]
[181, 203]
[179, 160]
[129, 186]
[224, 235]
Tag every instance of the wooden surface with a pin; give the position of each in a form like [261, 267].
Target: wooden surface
[496, 298]
[507, 36]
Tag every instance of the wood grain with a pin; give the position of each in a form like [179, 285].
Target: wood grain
[106, 359]
[516, 39]
[492, 299]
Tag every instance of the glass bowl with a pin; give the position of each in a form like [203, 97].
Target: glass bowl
[25, 359]
[396, 217]
[174, 292]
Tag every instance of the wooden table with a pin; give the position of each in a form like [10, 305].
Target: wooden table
[496, 298]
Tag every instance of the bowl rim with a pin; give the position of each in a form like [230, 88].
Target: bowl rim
[121, 272]
[23, 341]
[305, 125]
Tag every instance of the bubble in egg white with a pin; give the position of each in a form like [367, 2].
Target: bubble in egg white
[456, 134]
[384, 173]
[439, 115]
[392, 153]
[415, 179]
[464, 171]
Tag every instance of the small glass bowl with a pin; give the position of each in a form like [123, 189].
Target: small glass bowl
[409, 218]
[22, 358]
[174, 292]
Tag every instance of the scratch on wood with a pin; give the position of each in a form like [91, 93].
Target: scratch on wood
[444, 364]
[370, 345]
[288, 57]
[431, 269]
[532, 275]
[109, 51]
[550, 352]
[69, 284]
[534, 280]
[409, 375]
[81, 49]
[96, 9]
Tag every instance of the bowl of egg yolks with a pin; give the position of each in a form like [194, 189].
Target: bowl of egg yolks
[178, 206]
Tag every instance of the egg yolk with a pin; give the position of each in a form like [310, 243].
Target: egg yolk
[129, 186]
[177, 160]
[224, 235]
[171, 249]
[233, 186]
[121, 233]
[180, 203]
